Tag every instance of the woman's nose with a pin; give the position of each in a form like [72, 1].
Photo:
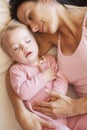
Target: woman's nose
[34, 27]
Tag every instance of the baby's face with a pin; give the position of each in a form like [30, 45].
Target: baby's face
[22, 45]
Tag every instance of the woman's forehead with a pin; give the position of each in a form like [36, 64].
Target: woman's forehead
[23, 8]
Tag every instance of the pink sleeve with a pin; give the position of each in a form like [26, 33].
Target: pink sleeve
[60, 84]
[23, 87]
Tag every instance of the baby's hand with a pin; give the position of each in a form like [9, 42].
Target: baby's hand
[49, 74]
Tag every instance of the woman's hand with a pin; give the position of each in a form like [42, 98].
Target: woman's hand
[30, 121]
[62, 106]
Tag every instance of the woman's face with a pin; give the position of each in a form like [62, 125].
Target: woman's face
[39, 16]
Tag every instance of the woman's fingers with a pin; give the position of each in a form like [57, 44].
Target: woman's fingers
[61, 105]
[45, 108]
[48, 107]
[57, 95]
[54, 94]
[42, 107]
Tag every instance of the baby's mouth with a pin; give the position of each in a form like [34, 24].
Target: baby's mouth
[29, 53]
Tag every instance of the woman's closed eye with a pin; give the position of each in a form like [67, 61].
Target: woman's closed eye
[30, 17]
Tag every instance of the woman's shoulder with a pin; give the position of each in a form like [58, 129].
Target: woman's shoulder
[85, 20]
[76, 8]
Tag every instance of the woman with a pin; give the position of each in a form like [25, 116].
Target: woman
[70, 27]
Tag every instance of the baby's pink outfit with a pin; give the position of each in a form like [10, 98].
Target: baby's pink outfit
[74, 68]
[29, 84]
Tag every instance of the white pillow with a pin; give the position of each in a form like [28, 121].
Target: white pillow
[5, 17]
[4, 14]
[5, 61]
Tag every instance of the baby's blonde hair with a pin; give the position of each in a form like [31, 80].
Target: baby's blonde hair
[13, 24]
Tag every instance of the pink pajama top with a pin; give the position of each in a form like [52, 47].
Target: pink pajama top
[74, 67]
[28, 82]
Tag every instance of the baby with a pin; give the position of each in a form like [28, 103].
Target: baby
[31, 74]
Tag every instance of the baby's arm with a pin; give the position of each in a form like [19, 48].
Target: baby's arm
[25, 87]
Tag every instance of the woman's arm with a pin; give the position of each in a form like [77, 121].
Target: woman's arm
[62, 106]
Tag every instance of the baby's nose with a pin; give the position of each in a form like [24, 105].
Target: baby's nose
[24, 47]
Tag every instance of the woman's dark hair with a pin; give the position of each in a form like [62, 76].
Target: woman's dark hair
[74, 2]
[14, 4]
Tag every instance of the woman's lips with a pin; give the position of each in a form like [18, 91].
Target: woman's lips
[29, 53]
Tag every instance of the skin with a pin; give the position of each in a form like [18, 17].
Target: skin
[68, 49]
